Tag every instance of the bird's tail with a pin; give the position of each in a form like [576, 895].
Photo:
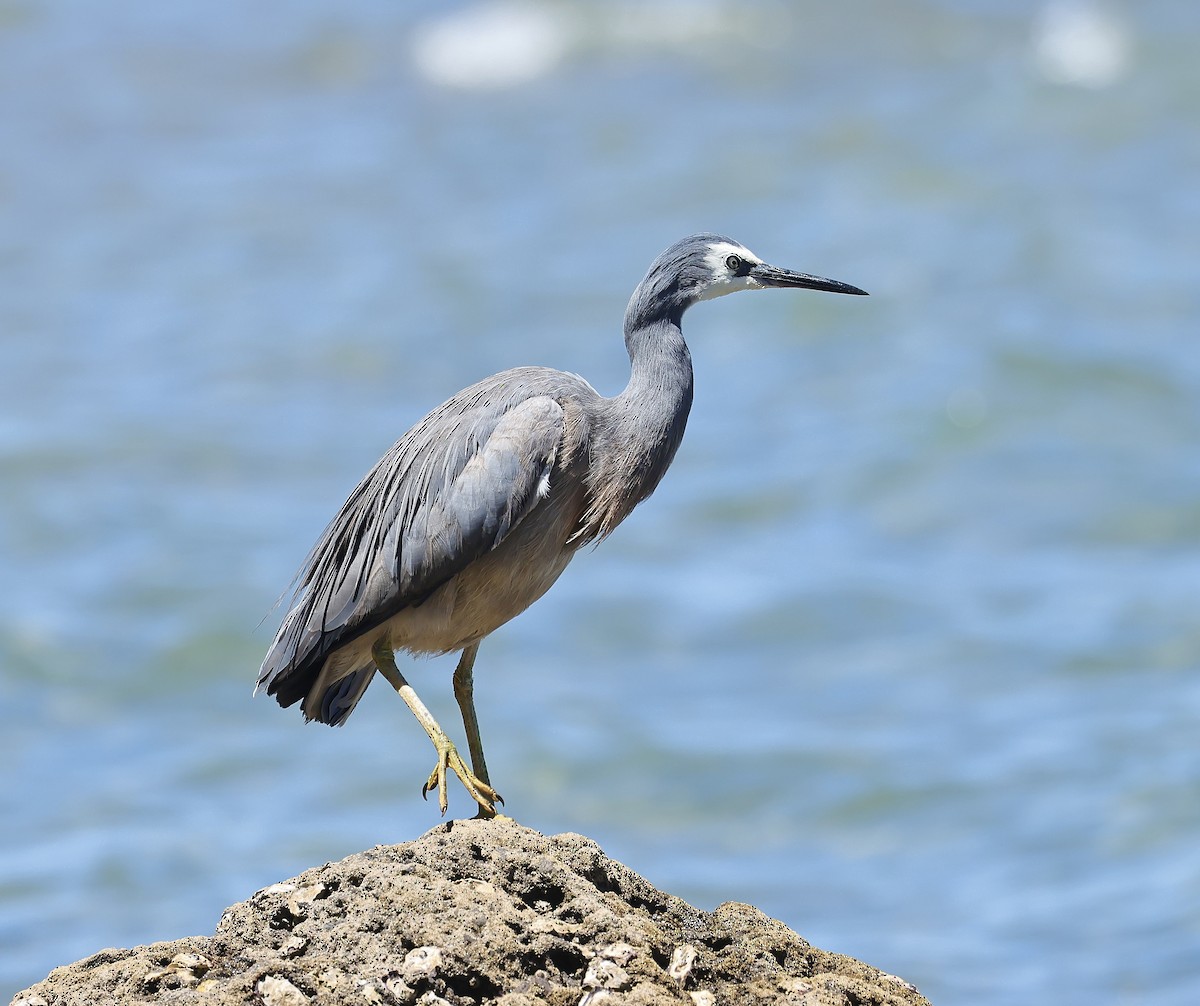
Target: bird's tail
[298, 667]
[337, 690]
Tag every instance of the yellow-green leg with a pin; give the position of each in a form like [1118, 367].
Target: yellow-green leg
[448, 757]
[464, 694]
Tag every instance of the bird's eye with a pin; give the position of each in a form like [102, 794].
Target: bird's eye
[733, 263]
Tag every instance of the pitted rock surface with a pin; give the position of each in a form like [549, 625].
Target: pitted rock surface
[477, 912]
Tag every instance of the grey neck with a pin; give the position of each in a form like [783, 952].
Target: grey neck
[640, 429]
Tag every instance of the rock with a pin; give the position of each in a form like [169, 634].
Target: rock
[421, 965]
[477, 912]
[279, 992]
[183, 969]
[681, 963]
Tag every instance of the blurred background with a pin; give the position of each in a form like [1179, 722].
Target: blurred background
[904, 650]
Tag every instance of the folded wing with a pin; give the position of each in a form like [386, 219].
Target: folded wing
[448, 492]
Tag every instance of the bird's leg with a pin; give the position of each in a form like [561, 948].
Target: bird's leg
[447, 755]
[464, 694]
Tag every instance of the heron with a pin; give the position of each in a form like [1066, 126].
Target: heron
[474, 513]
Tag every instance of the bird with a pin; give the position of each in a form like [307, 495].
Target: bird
[474, 513]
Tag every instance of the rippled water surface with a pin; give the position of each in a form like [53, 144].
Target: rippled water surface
[904, 650]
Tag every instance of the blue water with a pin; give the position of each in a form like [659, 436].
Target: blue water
[905, 648]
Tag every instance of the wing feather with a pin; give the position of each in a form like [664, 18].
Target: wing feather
[448, 492]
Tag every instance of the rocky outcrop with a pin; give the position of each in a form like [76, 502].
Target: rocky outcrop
[483, 912]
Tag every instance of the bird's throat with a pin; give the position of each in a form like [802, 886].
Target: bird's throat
[642, 428]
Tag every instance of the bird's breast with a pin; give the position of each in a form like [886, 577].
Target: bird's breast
[501, 584]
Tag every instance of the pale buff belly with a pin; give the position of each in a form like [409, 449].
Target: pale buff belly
[494, 588]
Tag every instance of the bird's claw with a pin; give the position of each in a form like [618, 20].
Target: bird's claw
[481, 792]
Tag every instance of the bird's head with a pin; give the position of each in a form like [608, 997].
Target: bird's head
[705, 266]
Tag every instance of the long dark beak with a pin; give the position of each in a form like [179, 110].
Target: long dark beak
[769, 275]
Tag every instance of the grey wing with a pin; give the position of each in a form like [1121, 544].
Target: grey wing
[448, 492]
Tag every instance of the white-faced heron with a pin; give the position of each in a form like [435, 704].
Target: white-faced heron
[476, 510]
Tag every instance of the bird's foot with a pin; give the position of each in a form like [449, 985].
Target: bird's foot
[450, 760]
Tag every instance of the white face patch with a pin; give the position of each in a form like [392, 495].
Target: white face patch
[724, 280]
